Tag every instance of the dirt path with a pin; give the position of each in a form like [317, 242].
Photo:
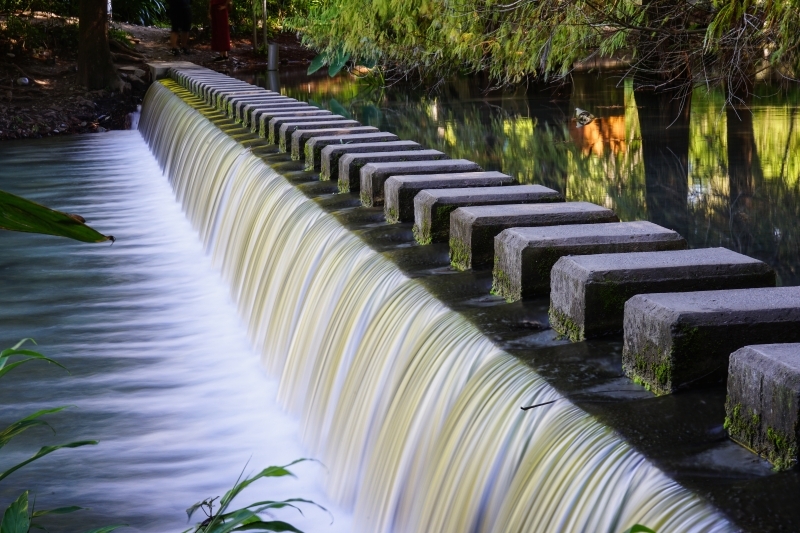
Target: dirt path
[39, 96]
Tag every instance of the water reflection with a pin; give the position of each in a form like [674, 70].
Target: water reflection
[721, 177]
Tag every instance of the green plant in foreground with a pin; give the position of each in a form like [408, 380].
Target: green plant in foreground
[247, 518]
[639, 528]
[20, 516]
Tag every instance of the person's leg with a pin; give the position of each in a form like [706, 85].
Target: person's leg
[173, 42]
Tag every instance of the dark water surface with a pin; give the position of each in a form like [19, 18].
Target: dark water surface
[720, 178]
[161, 371]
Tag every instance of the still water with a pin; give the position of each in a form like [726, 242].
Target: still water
[160, 369]
[720, 178]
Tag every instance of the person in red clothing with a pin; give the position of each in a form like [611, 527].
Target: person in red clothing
[218, 11]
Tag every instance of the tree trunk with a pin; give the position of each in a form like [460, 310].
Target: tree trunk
[264, 18]
[95, 67]
[255, 27]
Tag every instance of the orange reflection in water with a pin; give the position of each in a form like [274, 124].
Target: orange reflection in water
[599, 135]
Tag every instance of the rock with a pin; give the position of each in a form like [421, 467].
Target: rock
[101, 129]
[23, 81]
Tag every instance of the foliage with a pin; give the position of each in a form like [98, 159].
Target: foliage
[638, 528]
[247, 518]
[19, 214]
[144, 12]
[20, 517]
[670, 44]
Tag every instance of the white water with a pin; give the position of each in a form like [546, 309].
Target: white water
[415, 413]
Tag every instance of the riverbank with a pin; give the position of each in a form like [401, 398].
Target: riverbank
[52, 103]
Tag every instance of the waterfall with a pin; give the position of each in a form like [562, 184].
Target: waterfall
[414, 412]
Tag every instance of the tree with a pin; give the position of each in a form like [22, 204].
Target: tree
[95, 66]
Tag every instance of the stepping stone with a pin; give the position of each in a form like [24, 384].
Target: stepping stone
[300, 137]
[288, 128]
[330, 155]
[305, 113]
[588, 292]
[523, 257]
[350, 164]
[677, 340]
[249, 114]
[228, 102]
[274, 125]
[762, 410]
[473, 229]
[313, 150]
[466, 189]
[374, 175]
[432, 207]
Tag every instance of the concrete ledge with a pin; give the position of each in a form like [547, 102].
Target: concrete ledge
[350, 165]
[588, 292]
[275, 124]
[523, 257]
[288, 129]
[235, 106]
[301, 137]
[374, 175]
[678, 340]
[260, 118]
[472, 188]
[473, 229]
[162, 69]
[230, 102]
[250, 114]
[762, 410]
[313, 149]
[330, 155]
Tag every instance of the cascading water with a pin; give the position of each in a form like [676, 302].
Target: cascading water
[414, 412]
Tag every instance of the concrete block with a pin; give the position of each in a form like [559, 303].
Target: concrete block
[235, 106]
[762, 410]
[288, 128]
[306, 113]
[330, 155]
[679, 340]
[588, 292]
[249, 113]
[471, 188]
[313, 149]
[228, 102]
[301, 137]
[274, 125]
[163, 69]
[473, 229]
[374, 175]
[432, 207]
[523, 257]
[350, 164]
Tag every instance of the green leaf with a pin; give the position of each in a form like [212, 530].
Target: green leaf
[58, 510]
[639, 528]
[5, 369]
[274, 525]
[106, 529]
[15, 518]
[338, 108]
[21, 425]
[337, 63]
[317, 63]
[45, 450]
[368, 63]
[19, 214]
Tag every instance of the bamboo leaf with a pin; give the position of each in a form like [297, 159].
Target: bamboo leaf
[639, 528]
[58, 510]
[45, 450]
[274, 525]
[19, 214]
[105, 529]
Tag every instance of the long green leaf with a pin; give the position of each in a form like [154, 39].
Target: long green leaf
[639, 528]
[58, 510]
[337, 63]
[8, 368]
[45, 450]
[317, 63]
[270, 471]
[106, 529]
[20, 426]
[19, 214]
[15, 518]
[274, 525]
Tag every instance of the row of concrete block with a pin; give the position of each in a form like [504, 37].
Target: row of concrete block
[682, 312]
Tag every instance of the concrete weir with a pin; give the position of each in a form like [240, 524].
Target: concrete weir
[301, 136]
[762, 410]
[433, 205]
[374, 175]
[523, 257]
[679, 340]
[313, 149]
[588, 292]
[330, 155]
[473, 229]
[400, 191]
[350, 164]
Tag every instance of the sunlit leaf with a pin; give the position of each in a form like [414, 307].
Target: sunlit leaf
[317, 63]
[19, 214]
[15, 518]
[337, 63]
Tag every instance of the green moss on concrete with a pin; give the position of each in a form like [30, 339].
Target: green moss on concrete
[611, 296]
[308, 152]
[366, 199]
[262, 130]
[422, 234]
[392, 215]
[565, 326]
[344, 186]
[440, 221]
[651, 368]
[742, 428]
[460, 254]
[773, 445]
[503, 286]
[781, 451]
[282, 142]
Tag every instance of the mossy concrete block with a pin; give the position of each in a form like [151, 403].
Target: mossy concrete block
[679, 340]
[588, 292]
[279, 135]
[170, 69]
[350, 164]
[252, 114]
[233, 104]
[331, 154]
[473, 229]
[313, 149]
[523, 257]
[242, 111]
[301, 136]
[472, 188]
[762, 410]
[260, 118]
[215, 92]
[432, 206]
[374, 175]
